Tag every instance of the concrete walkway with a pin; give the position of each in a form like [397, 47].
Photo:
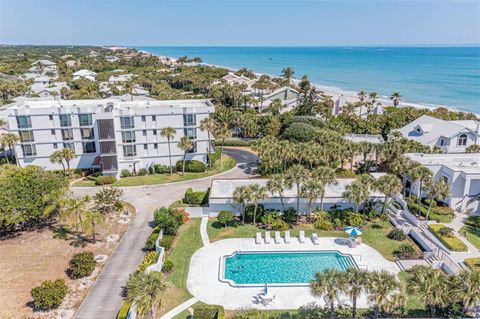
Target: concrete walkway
[178, 309]
[105, 298]
[203, 231]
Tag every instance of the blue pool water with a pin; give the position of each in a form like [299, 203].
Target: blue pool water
[282, 267]
[433, 75]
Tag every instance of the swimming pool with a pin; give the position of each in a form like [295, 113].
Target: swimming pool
[281, 268]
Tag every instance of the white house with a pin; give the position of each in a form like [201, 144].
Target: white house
[44, 63]
[450, 136]
[112, 58]
[86, 74]
[120, 78]
[221, 195]
[460, 171]
[108, 134]
[371, 138]
[233, 78]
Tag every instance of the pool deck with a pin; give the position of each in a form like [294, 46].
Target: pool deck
[203, 277]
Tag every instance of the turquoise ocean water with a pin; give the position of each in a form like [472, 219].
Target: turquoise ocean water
[447, 76]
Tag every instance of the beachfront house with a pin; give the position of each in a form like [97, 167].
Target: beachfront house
[221, 196]
[449, 136]
[460, 171]
[109, 134]
[85, 74]
[233, 78]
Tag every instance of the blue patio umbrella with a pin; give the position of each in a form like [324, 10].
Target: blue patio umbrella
[353, 231]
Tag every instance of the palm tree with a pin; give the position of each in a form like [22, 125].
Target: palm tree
[389, 185]
[437, 190]
[11, 139]
[185, 145]
[208, 124]
[3, 145]
[145, 291]
[467, 289]
[92, 218]
[312, 189]
[400, 166]
[431, 285]
[57, 157]
[356, 192]
[328, 283]
[288, 74]
[356, 280]
[424, 177]
[395, 97]
[241, 197]
[256, 193]
[68, 154]
[169, 133]
[76, 210]
[362, 95]
[276, 185]
[373, 97]
[380, 285]
[222, 133]
[129, 86]
[326, 176]
[295, 175]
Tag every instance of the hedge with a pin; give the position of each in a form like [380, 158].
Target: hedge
[149, 259]
[191, 166]
[209, 312]
[234, 142]
[472, 263]
[105, 180]
[473, 221]
[196, 198]
[453, 243]
[122, 314]
[150, 243]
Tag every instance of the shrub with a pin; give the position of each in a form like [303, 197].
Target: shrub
[214, 157]
[149, 259]
[191, 166]
[405, 251]
[166, 242]
[167, 220]
[151, 170]
[289, 215]
[81, 265]
[125, 173]
[142, 172]
[49, 294]
[345, 173]
[167, 266]
[105, 180]
[161, 169]
[233, 142]
[397, 234]
[446, 231]
[323, 224]
[225, 217]
[195, 198]
[473, 221]
[453, 243]
[279, 224]
[122, 314]
[249, 213]
[299, 132]
[150, 243]
[472, 263]
[209, 312]
[185, 216]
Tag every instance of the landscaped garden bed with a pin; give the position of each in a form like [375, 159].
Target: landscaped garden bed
[447, 237]
[472, 234]
[472, 263]
[439, 212]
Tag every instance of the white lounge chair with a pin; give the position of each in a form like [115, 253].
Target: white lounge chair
[268, 239]
[278, 238]
[287, 237]
[258, 238]
[315, 238]
[301, 236]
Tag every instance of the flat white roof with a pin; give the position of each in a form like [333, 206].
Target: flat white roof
[372, 138]
[468, 162]
[224, 188]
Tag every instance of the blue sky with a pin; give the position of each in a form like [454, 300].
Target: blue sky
[240, 22]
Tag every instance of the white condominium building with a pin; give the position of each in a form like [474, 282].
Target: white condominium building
[106, 134]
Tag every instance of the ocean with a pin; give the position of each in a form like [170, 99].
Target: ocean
[436, 76]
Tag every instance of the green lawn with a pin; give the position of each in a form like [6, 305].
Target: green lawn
[375, 234]
[224, 165]
[187, 242]
[472, 235]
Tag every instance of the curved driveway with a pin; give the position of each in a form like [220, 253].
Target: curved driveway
[105, 298]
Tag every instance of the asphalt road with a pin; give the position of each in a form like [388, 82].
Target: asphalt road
[105, 298]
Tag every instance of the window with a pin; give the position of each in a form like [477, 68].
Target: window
[87, 134]
[193, 149]
[190, 132]
[24, 121]
[189, 119]
[29, 150]
[145, 146]
[69, 146]
[442, 142]
[154, 132]
[53, 132]
[144, 132]
[129, 150]
[89, 147]
[26, 136]
[127, 122]
[462, 140]
[67, 134]
[65, 120]
[155, 146]
[55, 146]
[154, 118]
[85, 119]
[143, 118]
[128, 137]
[50, 117]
